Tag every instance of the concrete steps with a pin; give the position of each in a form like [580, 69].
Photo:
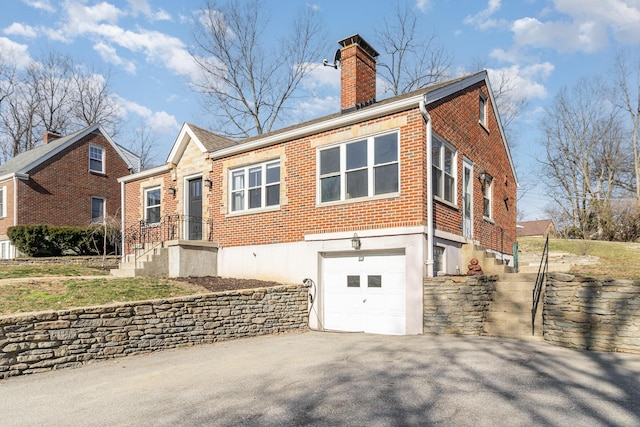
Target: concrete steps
[153, 263]
[509, 314]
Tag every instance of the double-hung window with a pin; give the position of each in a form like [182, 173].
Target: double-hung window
[486, 196]
[255, 187]
[358, 169]
[97, 209]
[152, 205]
[444, 171]
[3, 202]
[96, 159]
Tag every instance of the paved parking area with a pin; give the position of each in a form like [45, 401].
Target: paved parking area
[322, 379]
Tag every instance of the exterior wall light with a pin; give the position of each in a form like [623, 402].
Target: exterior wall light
[208, 183]
[172, 191]
[355, 242]
[482, 176]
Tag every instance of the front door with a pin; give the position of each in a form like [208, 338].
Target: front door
[467, 201]
[194, 206]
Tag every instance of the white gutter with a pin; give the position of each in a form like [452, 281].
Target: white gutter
[122, 199]
[145, 173]
[427, 118]
[342, 120]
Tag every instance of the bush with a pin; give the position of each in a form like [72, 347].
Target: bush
[43, 240]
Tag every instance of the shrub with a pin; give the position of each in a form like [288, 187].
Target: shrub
[43, 240]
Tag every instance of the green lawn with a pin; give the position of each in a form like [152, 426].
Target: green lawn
[16, 271]
[617, 260]
[60, 293]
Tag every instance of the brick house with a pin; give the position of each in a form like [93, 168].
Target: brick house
[70, 180]
[365, 203]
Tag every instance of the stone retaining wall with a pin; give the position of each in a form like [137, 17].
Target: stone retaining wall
[591, 314]
[457, 305]
[52, 340]
[111, 261]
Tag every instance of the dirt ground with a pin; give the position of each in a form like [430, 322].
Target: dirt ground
[218, 284]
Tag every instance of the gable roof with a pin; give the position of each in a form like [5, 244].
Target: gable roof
[206, 141]
[534, 228]
[21, 164]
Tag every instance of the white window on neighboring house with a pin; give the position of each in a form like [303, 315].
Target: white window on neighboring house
[359, 169]
[444, 171]
[152, 205]
[487, 185]
[255, 187]
[3, 202]
[483, 110]
[96, 158]
[5, 250]
[97, 209]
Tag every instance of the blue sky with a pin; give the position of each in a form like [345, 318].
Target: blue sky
[542, 44]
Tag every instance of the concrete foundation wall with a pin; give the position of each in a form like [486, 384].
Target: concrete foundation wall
[53, 340]
[592, 314]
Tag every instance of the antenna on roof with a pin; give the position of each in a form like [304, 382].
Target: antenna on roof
[336, 59]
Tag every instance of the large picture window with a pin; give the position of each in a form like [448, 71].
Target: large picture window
[444, 171]
[358, 169]
[256, 186]
[152, 205]
[96, 159]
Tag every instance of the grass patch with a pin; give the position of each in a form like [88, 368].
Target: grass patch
[18, 271]
[57, 294]
[619, 260]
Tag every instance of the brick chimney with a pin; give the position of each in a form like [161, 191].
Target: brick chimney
[50, 136]
[358, 73]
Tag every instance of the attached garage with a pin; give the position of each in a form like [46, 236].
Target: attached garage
[365, 292]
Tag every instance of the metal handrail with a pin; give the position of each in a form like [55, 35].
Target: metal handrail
[148, 236]
[540, 281]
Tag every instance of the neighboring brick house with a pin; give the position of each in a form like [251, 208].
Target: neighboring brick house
[70, 180]
[541, 227]
[366, 202]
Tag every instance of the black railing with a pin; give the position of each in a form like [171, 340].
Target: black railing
[170, 227]
[540, 281]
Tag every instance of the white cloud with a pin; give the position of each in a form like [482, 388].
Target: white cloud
[483, 19]
[423, 5]
[313, 6]
[160, 122]
[143, 7]
[562, 36]
[322, 77]
[15, 53]
[525, 82]
[17, 29]
[40, 4]
[108, 54]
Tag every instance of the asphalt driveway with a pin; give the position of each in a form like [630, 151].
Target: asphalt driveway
[337, 379]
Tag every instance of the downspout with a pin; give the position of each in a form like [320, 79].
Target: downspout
[122, 199]
[427, 119]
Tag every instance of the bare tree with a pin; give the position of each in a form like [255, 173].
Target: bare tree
[247, 87]
[584, 141]
[410, 61]
[143, 145]
[624, 74]
[54, 94]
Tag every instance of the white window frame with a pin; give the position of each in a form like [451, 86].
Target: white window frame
[5, 250]
[370, 167]
[92, 157]
[246, 189]
[487, 197]
[104, 209]
[482, 110]
[3, 200]
[439, 193]
[147, 206]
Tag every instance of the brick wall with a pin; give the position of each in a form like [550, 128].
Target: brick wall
[8, 220]
[59, 191]
[44, 341]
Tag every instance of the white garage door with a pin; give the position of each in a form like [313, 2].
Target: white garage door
[365, 293]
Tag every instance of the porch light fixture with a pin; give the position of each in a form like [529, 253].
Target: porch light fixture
[355, 242]
[208, 183]
[172, 191]
[482, 176]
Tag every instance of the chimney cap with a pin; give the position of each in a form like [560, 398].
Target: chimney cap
[357, 39]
